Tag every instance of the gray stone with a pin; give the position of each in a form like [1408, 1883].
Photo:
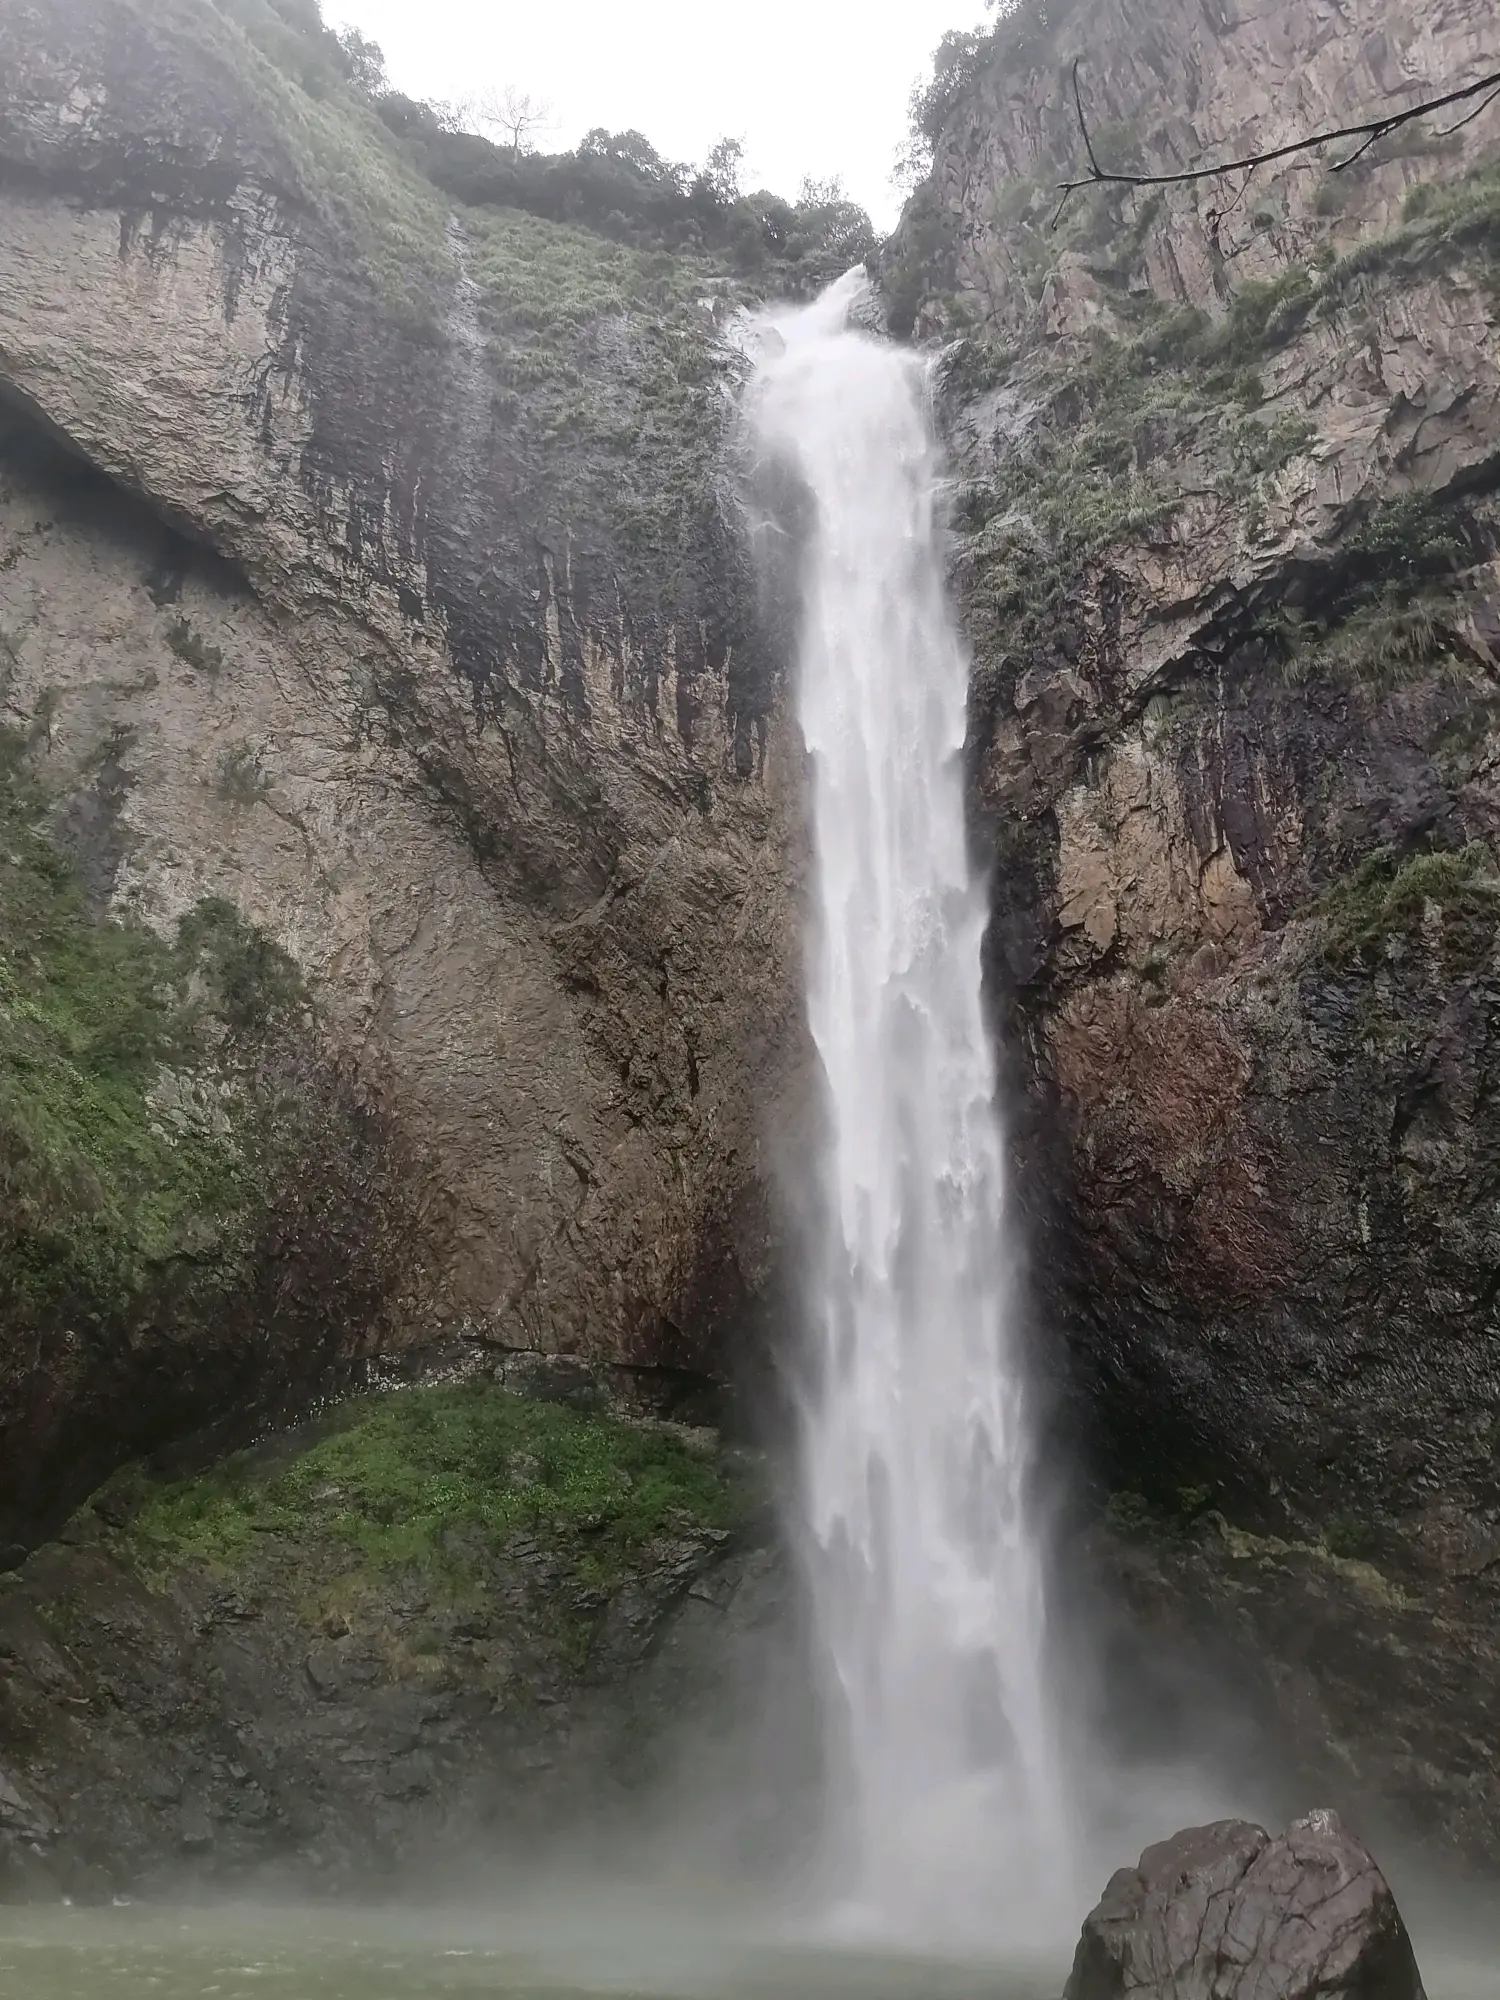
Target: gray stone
[553, 1378]
[19, 1815]
[1224, 1912]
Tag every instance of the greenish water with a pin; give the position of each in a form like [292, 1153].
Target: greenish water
[137, 1953]
[142, 1954]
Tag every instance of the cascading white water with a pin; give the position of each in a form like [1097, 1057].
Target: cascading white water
[925, 1570]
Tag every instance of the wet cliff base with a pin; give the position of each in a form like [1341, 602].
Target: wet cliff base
[413, 1637]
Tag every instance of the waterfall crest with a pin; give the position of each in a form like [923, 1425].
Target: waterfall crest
[924, 1568]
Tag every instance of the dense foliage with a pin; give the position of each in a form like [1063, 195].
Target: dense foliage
[619, 185]
[1022, 35]
[613, 183]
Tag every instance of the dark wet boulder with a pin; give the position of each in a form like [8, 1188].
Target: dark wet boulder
[1224, 1912]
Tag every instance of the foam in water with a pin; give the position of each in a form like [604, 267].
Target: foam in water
[925, 1570]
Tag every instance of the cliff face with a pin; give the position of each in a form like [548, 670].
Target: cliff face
[364, 566]
[390, 730]
[1227, 547]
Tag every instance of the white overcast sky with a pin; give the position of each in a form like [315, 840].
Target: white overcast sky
[814, 87]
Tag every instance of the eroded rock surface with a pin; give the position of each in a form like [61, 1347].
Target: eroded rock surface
[1225, 1912]
[1226, 542]
[368, 562]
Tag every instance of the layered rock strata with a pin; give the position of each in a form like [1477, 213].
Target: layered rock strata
[1226, 538]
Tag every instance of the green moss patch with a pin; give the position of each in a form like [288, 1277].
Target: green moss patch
[1166, 1516]
[1388, 898]
[127, 1124]
[1189, 1524]
[436, 1479]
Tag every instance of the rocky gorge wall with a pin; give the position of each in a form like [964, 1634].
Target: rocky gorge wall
[1226, 539]
[401, 836]
[365, 568]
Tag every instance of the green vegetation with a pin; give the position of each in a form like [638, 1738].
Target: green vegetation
[1389, 897]
[1130, 1514]
[918, 263]
[1024, 36]
[1167, 1516]
[436, 1479]
[1346, 1534]
[544, 289]
[1389, 638]
[957, 64]
[1444, 223]
[1104, 466]
[1412, 536]
[126, 1118]
[1391, 611]
[1189, 1518]
[652, 424]
[236, 974]
[389, 168]
[617, 185]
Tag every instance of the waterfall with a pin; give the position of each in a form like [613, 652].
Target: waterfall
[924, 1567]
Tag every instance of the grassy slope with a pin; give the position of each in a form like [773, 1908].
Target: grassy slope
[435, 1480]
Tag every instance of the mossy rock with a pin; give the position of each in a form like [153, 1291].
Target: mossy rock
[1453, 895]
[436, 1481]
[132, 1130]
[198, 1207]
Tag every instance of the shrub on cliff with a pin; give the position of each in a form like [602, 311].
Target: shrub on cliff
[617, 184]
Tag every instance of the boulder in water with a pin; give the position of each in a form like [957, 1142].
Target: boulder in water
[1224, 1912]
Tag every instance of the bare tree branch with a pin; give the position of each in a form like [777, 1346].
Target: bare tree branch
[1220, 214]
[1468, 117]
[1098, 173]
[1367, 131]
[512, 117]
